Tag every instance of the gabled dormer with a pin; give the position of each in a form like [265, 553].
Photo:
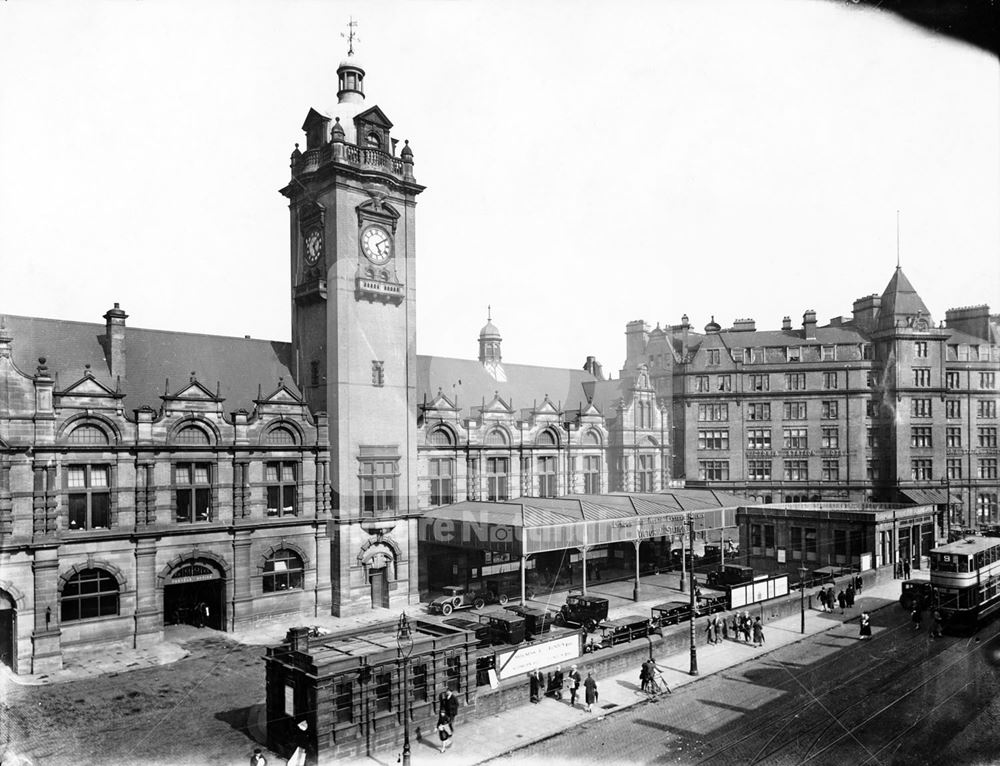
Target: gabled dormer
[282, 401]
[192, 397]
[372, 130]
[89, 393]
[496, 407]
[317, 129]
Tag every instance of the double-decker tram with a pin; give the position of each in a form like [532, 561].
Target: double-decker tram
[965, 578]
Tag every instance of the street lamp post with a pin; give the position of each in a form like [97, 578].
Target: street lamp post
[691, 583]
[802, 595]
[404, 641]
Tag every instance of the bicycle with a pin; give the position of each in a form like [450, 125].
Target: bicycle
[657, 685]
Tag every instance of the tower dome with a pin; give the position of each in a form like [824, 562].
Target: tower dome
[489, 340]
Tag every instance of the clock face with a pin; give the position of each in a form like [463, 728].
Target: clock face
[314, 246]
[376, 244]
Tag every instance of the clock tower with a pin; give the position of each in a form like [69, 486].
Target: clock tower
[351, 228]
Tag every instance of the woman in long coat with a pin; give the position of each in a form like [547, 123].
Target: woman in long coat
[590, 690]
[866, 626]
[535, 677]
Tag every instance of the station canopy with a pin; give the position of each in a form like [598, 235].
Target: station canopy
[528, 525]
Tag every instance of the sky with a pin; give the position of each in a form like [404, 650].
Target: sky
[586, 163]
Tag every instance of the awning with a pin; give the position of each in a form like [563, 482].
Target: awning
[927, 496]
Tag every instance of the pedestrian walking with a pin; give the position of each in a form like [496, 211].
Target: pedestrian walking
[725, 627]
[937, 624]
[710, 629]
[758, 632]
[917, 617]
[747, 626]
[590, 690]
[858, 583]
[736, 626]
[535, 681]
[258, 759]
[849, 596]
[574, 685]
[444, 730]
[866, 626]
[448, 702]
[821, 597]
[906, 569]
[842, 600]
[556, 683]
[644, 674]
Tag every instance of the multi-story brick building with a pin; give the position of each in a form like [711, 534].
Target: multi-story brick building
[881, 405]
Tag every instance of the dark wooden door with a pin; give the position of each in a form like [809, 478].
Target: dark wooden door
[380, 588]
[7, 617]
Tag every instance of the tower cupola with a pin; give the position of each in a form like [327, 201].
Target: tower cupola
[350, 82]
[489, 340]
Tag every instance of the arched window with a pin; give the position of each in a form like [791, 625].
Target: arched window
[87, 434]
[89, 593]
[280, 437]
[191, 435]
[283, 570]
[373, 141]
[496, 438]
[592, 439]
[440, 437]
[546, 439]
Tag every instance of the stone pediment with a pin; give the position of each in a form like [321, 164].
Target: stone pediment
[546, 407]
[281, 395]
[497, 405]
[374, 116]
[440, 402]
[89, 387]
[314, 117]
[193, 391]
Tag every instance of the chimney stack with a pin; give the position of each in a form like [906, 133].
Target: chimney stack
[809, 324]
[786, 323]
[114, 341]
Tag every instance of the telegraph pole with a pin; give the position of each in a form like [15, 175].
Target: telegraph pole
[691, 583]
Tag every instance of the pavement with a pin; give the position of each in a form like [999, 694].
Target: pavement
[479, 739]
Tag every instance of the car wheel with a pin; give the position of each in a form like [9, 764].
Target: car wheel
[479, 603]
[447, 609]
[502, 598]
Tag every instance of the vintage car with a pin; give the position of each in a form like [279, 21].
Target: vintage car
[915, 593]
[730, 574]
[582, 611]
[671, 612]
[624, 629]
[481, 631]
[457, 597]
[536, 621]
[505, 628]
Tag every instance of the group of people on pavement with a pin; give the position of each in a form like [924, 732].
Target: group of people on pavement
[651, 678]
[829, 601]
[740, 627]
[552, 686]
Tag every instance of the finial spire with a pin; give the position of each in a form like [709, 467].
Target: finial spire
[351, 35]
[897, 239]
[489, 313]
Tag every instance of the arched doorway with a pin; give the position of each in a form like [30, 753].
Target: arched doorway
[8, 630]
[379, 561]
[194, 593]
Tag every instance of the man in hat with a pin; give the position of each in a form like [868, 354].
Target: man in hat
[574, 685]
[258, 759]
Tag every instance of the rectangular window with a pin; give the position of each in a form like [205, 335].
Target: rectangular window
[192, 488]
[830, 437]
[988, 437]
[343, 702]
[987, 468]
[953, 436]
[921, 469]
[418, 684]
[839, 542]
[866, 351]
[701, 384]
[758, 382]
[986, 506]
[872, 379]
[831, 470]
[795, 410]
[952, 381]
[796, 470]
[383, 692]
[795, 438]
[871, 438]
[830, 410]
[829, 380]
[89, 496]
[795, 381]
[810, 542]
[871, 408]
[378, 486]
[546, 476]
[714, 356]
[759, 470]
[953, 409]
[644, 473]
[987, 380]
[793, 354]
[954, 468]
[497, 470]
[759, 438]
[829, 354]
[920, 436]
[795, 542]
[453, 674]
[986, 409]
[592, 475]
[713, 470]
[442, 480]
[761, 411]
[757, 356]
[755, 536]
[713, 412]
[713, 440]
[920, 408]
[921, 377]
[282, 490]
[873, 469]
[724, 382]
[920, 349]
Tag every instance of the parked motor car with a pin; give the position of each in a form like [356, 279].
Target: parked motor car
[536, 621]
[481, 631]
[583, 611]
[730, 574]
[505, 628]
[916, 592]
[624, 629]
[458, 597]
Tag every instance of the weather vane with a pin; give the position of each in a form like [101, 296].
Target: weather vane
[351, 35]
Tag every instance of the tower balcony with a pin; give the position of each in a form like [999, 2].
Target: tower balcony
[362, 158]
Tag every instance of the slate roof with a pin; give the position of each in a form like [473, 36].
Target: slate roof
[152, 357]
[900, 300]
[468, 382]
